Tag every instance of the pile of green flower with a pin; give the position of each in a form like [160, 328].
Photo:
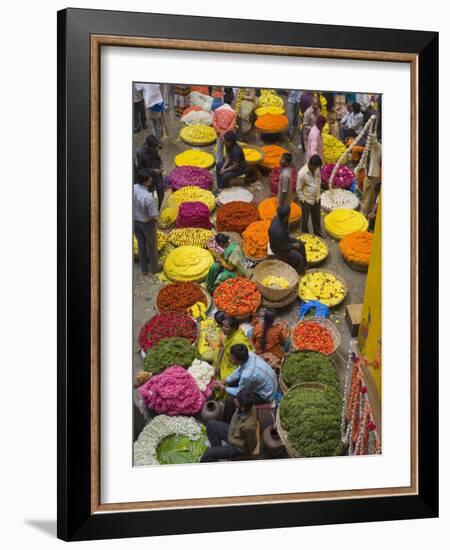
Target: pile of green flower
[168, 352]
[309, 366]
[312, 419]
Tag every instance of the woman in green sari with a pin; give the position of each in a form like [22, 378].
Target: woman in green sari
[231, 264]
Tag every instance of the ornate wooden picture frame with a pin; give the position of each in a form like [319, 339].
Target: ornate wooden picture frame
[81, 35]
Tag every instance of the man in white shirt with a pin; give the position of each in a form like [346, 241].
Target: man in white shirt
[308, 192]
[145, 214]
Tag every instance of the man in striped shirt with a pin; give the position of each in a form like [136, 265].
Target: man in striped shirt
[145, 213]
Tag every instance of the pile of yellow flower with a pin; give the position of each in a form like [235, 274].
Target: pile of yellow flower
[252, 155]
[269, 98]
[198, 134]
[188, 263]
[209, 332]
[274, 281]
[167, 216]
[270, 110]
[161, 239]
[343, 221]
[316, 248]
[192, 157]
[190, 236]
[332, 148]
[322, 286]
[191, 193]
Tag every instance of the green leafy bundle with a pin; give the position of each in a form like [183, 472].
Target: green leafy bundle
[168, 352]
[179, 449]
[312, 420]
[309, 366]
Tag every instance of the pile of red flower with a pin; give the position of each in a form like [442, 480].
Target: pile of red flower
[179, 296]
[312, 336]
[238, 296]
[167, 325]
[236, 216]
[274, 179]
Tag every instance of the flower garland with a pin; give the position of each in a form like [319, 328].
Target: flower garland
[198, 134]
[188, 263]
[268, 210]
[193, 214]
[192, 194]
[236, 216]
[343, 221]
[190, 236]
[202, 372]
[167, 325]
[343, 177]
[357, 247]
[146, 446]
[256, 239]
[332, 148]
[174, 392]
[179, 296]
[235, 194]
[312, 336]
[184, 176]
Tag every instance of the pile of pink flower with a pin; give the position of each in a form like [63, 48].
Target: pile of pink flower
[167, 325]
[342, 179]
[224, 119]
[190, 175]
[174, 392]
[193, 214]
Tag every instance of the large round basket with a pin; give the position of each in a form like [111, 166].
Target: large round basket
[277, 268]
[337, 276]
[356, 266]
[203, 290]
[335, 334]
[291, 451]
[283, 387]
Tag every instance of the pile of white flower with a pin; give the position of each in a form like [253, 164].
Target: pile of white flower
[162, 426]
[338, 198]
[202, 372]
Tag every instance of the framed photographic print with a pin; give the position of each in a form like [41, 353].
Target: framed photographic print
[247, 251]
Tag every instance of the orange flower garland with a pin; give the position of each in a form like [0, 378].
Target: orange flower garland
[268, 210]
[271, 123]
[255, 239]
[272, 155]
[356, 247]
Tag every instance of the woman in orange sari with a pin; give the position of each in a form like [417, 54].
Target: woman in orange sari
[268, 338]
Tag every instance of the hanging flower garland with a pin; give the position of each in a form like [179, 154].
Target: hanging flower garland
[146, 446]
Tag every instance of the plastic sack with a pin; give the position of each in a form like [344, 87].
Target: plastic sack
[320, 310]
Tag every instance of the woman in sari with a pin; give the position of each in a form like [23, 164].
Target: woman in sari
[230, 265]
[232, 334]
[270, 339]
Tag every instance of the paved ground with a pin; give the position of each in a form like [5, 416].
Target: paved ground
[146, 288]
